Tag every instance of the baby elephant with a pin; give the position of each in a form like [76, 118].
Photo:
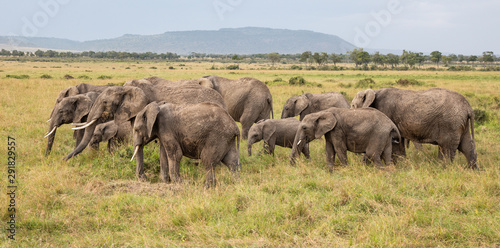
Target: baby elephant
[365, 130]
[200, 131]
[275, 132]
[112, 133]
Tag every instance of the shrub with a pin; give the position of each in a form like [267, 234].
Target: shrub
[171, 68]
[24, 76]
[68, 77]
[104, 77]
[461, 68]
[480, 116]
[233, 67]
[46, 76]
[298, 80]
[348, 85]
[295, 67]
[153, 67]
[276, 80]
[84, 77]
[406, 82]
[365, 83]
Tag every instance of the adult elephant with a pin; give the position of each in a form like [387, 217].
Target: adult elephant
[437, 116]
[248, 100]
[123, 103]
[72, 109]
[311, 103]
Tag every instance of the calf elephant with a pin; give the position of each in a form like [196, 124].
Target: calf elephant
[365, 130]
[72, 109]
[112, 133]
[311, 103]
[437, 116]
[201, 131]
[275, 132]
[123, 103]
[248, 100]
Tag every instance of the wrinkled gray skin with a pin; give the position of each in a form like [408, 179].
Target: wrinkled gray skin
[248, 100]
[72, 109]
[279, 132]
[123, 103]
[365, 130]
[157, 81]
[311, 103]
[436, 116]
[112, 133]
[200, 131]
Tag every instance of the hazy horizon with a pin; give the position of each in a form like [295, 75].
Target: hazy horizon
[460, 27]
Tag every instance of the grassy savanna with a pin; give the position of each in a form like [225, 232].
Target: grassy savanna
[94, 200]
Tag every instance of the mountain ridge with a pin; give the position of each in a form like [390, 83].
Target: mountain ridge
[246, 40]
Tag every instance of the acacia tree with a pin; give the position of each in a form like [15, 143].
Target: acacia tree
[336, 58]
[320, 58]
[379, 59]
[306, 57]
[274, 57]
[392, 59]
[359, 57]
[436, 57]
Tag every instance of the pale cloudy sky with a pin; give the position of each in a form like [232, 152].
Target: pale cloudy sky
[451, 26]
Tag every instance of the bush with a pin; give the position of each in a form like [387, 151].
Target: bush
[68, 77]
[480, 116]
[46, 76]
[233, 67]
[406, 82]
[171, 68]
[461, 68]
[104, 77]
[24, 76]
[365, 83]
[276, 80]
[348, 85]
[84, 77]
[295, 67]
[298, 80]
[153, 67]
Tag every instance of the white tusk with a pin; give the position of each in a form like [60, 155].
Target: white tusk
[298, 143]
[49, 120]
[51, 131]
[86, 125]
[135, 152]
[79, 124]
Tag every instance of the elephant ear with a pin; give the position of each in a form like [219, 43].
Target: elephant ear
[110, 130]
[268, 131]
[132, 102]
[71, 91]
[204, 82]
[301, 103]
[369, 98]
[150, 113]
[82, 108]
[325, 123]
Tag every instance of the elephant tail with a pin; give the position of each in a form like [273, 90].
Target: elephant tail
[396, 136]
[270, 102]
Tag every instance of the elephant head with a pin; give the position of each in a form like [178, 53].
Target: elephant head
[363, 99]
[73, 109]
[296, 105]
[118, 103]
[103, 133]
[313, 126]
[262, 130]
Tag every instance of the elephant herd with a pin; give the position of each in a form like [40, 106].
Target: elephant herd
[196, 118]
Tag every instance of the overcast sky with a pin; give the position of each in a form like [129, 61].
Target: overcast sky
[450, 26]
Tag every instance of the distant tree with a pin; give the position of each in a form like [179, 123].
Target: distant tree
[488, 56]
[359, 57]
[393, 60]
[472, 58]
[336, 58]
[379, 59]
[305, 57]
[274, 57]
[235, 57]
[436, 57]
[320, 58]
[446, 60]
[460, 58]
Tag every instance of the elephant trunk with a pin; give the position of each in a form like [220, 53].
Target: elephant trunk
[283, 114]
[249, 147]
[298, 144]
[89, 132]
[51, 136]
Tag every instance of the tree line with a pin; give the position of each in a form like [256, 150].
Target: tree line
[357, 56]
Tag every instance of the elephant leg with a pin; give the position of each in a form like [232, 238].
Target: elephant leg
[374, 156]
[78, 135]
[330, 154]
[164, 176]
[232, 161]
[271, 145]
[441, 153]
[112, 143]
[387, 154]
[174, 156]
[247, 119]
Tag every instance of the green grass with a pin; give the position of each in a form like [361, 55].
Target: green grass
[94, 200]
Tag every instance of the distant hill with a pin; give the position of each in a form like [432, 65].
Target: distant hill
[249, 40]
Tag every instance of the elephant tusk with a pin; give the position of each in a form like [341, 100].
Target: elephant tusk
[78, 124]
[48, 120]
[49, 133]
[135, 153]
[85, 126]
[298, 143]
